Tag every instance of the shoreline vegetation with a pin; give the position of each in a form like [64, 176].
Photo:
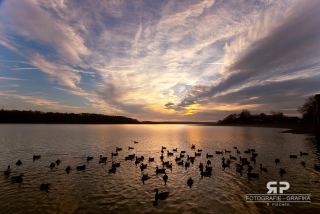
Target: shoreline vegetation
[38, 117]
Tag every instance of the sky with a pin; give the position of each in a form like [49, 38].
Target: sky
[158, 60]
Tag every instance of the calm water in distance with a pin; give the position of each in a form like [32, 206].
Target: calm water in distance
[97, 191]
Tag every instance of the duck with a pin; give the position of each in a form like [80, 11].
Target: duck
[197, 154]
[162, 151]
[36, 157]
[224, 165]
[232, 158]
[190, 158]
[115, 164]
[277, 160]
[160, 170]
[235, 147]
[135, 142]
[161, 195]
[89, 158]
[303, 153]
[165, 163]
[181, 156]
[151, 159]
[17, 179]
[102, 159]
[165, 177]
[219, 152]
[293, 156]
[187, 164]
[247, 151]
[238, 152]
[130, 148]
[282, 171]
[178, 158]
[83, 167]
[208, 168]
[174, 150]
[58, 162]
[208, 162]
[145, 177]
[183, 152]
[205, 173]
[303, 163]
[243, 159]
[201, 166]
[254, 154]
[138, 160]
[19, 162]
[263, 169]
[169, 166]
[68, 169]
[317, 167]
[209, 156]
[128, 158]
[44, 187]
[118, 149]
[169, 153]
[112, 170]
[143, 166]
[52, 165]
[253, 158]
[253, 175]
[190, 182]
[180, 163]
[163, 147]
[199, 150]
[132, 156]
[226, 151]
[193, 146]
[114, 154]
[8, 171]
[161, 157]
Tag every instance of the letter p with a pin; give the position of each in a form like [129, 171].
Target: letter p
[284, 188]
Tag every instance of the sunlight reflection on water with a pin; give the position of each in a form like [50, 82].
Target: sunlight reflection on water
[96, 190]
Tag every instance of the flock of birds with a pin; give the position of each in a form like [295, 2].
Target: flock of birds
[181, 160]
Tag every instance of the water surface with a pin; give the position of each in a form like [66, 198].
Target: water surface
[97, 191]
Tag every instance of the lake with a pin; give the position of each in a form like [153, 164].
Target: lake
[94, 190]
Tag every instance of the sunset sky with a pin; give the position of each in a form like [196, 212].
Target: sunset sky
[186, 60]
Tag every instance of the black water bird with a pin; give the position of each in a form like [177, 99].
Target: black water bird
[115, 164]
[36, 157]
[253, 175]
[303, 163]
[44, 187]
[145, 177]
[209, 156]
[282, 171]
[89, 158]
[277, 160]
[114, 154]
[17, 179]
[199, 150]
[58, 162]
[151, 159]
[8, 171]
[183, 152]
[118, 149]
[180, 163]
[317, 167]
[232, 158]
[112, 170]
[161, 195]
[83, 167]
[190, 182]
[263, 169]
[293, 156]
[165, 177]
[68, 169]
[135, 142]
[201, 166]
[193, 146]
[225, 151]
[130, 148]
[208, 168]
[169, 153]
[19, 162]
[197, 154]
[187, 164]
[163, 147]
[219, 152]
[52, 165]
[143, 166]
[303, 153]
[160, 170]
[174, 150]
[208, 162]
[178, 158]
[205, 173]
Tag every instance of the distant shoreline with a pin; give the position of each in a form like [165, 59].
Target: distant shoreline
[294, 128]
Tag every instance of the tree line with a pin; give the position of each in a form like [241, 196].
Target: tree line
[245, 116]
[16, 116]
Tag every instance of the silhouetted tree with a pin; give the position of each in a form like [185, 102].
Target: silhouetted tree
[306, 109]
[245, 116]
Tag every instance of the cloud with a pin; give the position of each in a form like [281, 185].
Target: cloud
[10, 78]
[291, 47]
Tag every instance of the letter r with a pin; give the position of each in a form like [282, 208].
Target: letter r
[272, 189]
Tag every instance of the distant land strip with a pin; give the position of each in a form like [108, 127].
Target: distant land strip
[16, 116]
